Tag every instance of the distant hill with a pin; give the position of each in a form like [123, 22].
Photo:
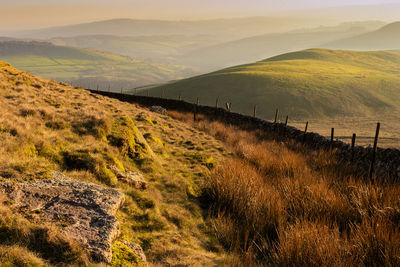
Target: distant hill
[385, 38]
[227, 28]
[87, 66]
[313, 83]
[214, 50]
[267, 45]
[161, 48]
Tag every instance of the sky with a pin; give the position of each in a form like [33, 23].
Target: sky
[29, 14]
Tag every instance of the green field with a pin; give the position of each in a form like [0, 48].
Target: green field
[313, 83]
[87, 66]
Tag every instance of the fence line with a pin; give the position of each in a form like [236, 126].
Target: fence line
[369, 161]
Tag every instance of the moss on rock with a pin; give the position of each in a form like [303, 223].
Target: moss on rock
[125, 136]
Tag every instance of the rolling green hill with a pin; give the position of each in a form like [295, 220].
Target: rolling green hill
[313, 83]
[87, 66]
[385, 38]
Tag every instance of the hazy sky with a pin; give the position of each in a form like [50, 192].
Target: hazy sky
[18, 14]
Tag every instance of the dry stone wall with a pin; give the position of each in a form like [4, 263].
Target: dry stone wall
[387, 160]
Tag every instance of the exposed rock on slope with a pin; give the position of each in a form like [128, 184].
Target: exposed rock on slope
[85, 210]
[134, 179]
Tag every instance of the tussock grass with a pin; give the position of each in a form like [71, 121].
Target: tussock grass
[280, 204]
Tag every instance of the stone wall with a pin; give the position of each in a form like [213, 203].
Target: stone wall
[387, 160]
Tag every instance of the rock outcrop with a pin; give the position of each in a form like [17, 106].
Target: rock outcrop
[137, 249]
[134, 179]
[86, 211]
[159, 110]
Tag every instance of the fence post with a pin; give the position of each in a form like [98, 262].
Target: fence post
[353, 144]
[332, 137]
[371, 168]
[228, 106]
[255, 111]
[276, 115]
[216, 103]
[195, 113]
[197, 101]
[305, 132]
[286, 121]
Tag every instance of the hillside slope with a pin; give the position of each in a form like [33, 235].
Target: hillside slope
[313, 83]
[87, 66]
[385, 38]
[47, 126]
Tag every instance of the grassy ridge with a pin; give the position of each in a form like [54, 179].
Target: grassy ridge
[311, 83]
[86, 65]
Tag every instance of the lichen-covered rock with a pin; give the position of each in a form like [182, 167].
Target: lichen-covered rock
[86, 211]
[134, 179]
[137, 249]
[159, 110]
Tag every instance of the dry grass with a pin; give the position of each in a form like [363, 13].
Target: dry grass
[47, 126]
[280, 204]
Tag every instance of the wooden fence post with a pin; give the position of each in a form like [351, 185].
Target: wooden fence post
[197, 101]
[353, 144]
[276, 115]
[228, 106]
[332, 137]
[371, 168]
[255, 111]
[286, 121]
[195, 113]
[305, 132]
